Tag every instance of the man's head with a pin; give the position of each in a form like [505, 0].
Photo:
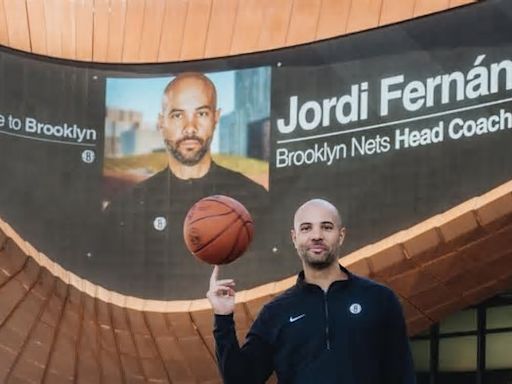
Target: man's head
[317, 233]
[188, 118]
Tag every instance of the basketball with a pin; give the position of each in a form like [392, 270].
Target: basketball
[218, 229]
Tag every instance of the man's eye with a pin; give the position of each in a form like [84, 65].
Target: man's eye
[176, 115]
[203, 114]
[304, 229]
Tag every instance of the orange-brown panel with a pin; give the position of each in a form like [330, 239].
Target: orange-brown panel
[109, 358]
[23, 322]
[154, 371]
[132, 35]
[54, 18]
[61, 362]
[111, 368]
[151, 30]
[84, 29]
[177, 367]
[456, 3]
[394, 11]
[4, 33]
[274, 27]
[196, 29]
[87, 370]
[71, 320]
[304, 21]
[17, 24]
[68, 30]
[100, 38]
[248, 25]
[37, 347]
[203, 322]
[168, 348]
[116, 31]
[364, 14]
[220, 32]
[29, 274]
[333, 18]
[37, 25]
[11, 295]
[12, 259]
[119, 320]
[145, 346]
[7, 353]
[88, 367]
[132, 367]
[172, 30]
[424, 7]
[196, 353]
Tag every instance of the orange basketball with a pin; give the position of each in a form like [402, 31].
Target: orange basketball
[218, 229]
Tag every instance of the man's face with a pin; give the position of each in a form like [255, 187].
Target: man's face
[317, 235]
[188, 119]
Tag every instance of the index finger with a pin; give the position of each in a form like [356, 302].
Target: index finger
[214, 276]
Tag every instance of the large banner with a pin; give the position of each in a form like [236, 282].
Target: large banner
[100, 164]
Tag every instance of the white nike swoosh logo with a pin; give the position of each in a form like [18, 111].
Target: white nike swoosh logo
[292, 319]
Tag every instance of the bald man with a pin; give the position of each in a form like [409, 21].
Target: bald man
[144, 253]
[331, 327]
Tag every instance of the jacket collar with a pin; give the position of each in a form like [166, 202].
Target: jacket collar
[301, 283]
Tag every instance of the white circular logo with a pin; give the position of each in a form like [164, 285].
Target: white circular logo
[88, 156]
[160, 223]
[355, 308]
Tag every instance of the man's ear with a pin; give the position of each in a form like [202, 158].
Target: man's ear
[292, 234]
[217, 115]
[160, 121]
[342, 235]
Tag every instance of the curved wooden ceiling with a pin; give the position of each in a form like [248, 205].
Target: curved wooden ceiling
[56, 327]
[149, 31]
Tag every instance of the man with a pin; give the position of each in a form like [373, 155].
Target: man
[331, 327]
[144, 253]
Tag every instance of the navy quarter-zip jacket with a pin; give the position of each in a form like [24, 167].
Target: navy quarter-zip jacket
[352, 334]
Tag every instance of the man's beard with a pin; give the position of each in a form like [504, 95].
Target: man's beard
[319, 264]
[195, 158]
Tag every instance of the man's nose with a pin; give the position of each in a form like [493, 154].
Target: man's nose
[189, 126]
[317, 233]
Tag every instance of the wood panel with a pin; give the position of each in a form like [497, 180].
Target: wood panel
[364, 14]
[68, 32]
[274, 27]
[151, 31]
[116, 29]
[84, 29]
[333, 18]
[195, 29]
[135, 31]
[172, 30]
[424, 7]
[248, 25]
[457, 3]
[132, 36]
[37, 26]
[17, 24]
[220, 32]
[54, 20]
[304, 20]
[101, 26]
[393, 11]
[4, 33]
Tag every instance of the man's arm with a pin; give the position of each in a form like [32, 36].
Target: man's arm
[251, 363]
[397, 364]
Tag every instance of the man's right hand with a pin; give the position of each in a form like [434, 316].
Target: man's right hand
[221, 294]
